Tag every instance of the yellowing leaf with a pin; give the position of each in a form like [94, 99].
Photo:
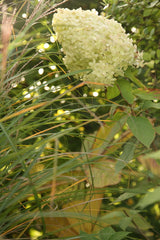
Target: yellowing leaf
[149, 161]
[85, 213]
[61, 226]
[106, 133]
[103, 174]
[89, 206]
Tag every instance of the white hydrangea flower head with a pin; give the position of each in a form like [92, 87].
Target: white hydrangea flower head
[94, 42]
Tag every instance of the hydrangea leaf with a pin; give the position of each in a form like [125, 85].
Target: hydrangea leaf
[112, 92]
[150, 198]
[147, 94]
[126, 90]
[149, 104]
[142, 129]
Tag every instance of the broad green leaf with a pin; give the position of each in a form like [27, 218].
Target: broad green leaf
[119, 235]
[109, 234]
[142, 129]
[157, 129]
[147, 56]
[147, 94]
[115, 217]
[137, 218]
[150, 104]
[158, 53]
[147, 12]
[106, 233]
[155, 155]
[126, 90]
[150, 198]
[125, 222]
[112, 92]
[86, 236]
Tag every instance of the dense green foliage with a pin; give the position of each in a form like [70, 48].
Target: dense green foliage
[75, 162]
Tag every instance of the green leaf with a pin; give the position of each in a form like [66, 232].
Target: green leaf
[155, 155]
[148, 94]
[106, 233]
[109, 234]
[115, 217]
[142, 129]
[112, 92]
[157, 129]
[86, 236]
[119, 235]
[147, 56]
[150, 198]
[158, 53]
[125, 222]
[126, 90]
[124, 196]
[147, 12]
[150, 104]
[138, 219]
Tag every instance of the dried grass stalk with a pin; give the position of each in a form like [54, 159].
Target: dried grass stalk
[6, 31]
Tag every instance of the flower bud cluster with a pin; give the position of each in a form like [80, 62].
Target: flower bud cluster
[90, 41]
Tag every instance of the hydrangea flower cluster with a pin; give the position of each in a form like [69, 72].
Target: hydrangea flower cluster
[90, 41]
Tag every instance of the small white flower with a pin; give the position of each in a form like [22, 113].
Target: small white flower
[40, 71]
[46, 45]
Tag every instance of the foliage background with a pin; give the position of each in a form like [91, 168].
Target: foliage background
[49, 147]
